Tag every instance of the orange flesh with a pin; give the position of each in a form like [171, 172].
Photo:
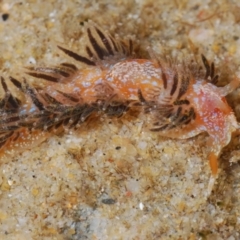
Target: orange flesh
[213, 161]
[24, 141]
[216, 118]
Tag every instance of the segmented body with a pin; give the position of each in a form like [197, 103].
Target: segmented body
[179, 100]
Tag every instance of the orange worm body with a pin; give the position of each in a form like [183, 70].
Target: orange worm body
[180, 100]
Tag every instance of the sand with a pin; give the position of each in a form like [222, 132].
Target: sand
[115, 179]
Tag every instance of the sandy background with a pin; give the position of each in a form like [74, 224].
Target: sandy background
[115, 179]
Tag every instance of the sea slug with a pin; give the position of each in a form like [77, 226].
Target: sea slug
[180, 99]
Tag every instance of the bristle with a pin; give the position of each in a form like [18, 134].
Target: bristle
[114, 44]
[33, 95]
[123, 47]
[9, 101]
[9, 119]
[77, 56]
[87, 112]
[215, 79]
[58, 125]
[181, 102]
[51, 99]
[130, 47]
[175, 84]
[99, 50]
[69, 96]
[206, 65]
[164, 78]
[116, 111]
[43, 76]
[212, 70]
[105, 41]
[6, 128]
[69, 66]
[184, 86]
[16, 137]
[16, 83]
[55, 71]
[140, 97]
[28, 125]
[13, 102]
[4, 85]
[5, 136]
[158, 129]
[176, 114]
